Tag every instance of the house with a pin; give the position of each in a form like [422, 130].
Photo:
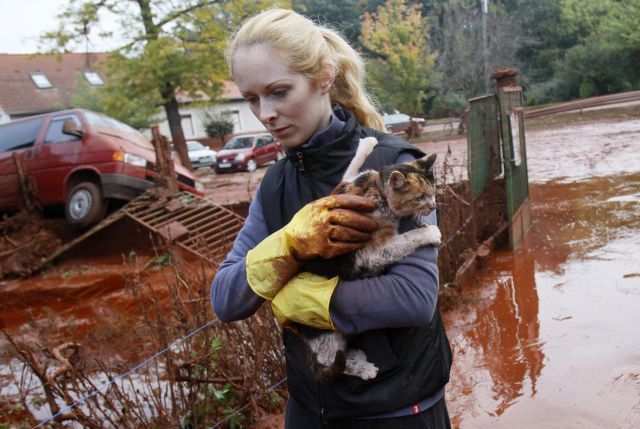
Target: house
[193, 113]
[34, 84]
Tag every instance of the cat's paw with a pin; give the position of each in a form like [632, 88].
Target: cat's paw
[368, 143]
[367, 371]
[431, 235]
[357, 365]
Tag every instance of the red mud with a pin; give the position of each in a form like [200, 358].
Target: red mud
[549, 337]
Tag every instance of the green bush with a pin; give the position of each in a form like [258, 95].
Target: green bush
[217, 124]
[587, 88]
[447, 103]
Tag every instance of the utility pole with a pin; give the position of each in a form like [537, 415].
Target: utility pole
[485, 46]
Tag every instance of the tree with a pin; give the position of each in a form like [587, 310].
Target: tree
[341, 15]
[401, 67]
[173, 48]
[459, 42]
[136, 112]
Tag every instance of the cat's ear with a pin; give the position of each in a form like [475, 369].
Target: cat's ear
[427, 161]
[341, 188]
[397, 180]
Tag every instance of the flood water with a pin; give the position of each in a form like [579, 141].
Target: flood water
[548, 337]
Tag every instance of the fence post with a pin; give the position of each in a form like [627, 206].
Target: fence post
[514, 153]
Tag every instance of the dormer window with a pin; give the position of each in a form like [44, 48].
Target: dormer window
[93, 78]
[41, 81]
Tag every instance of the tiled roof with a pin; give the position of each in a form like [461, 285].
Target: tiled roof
[18, 93]
[20, 96]
[229, 92]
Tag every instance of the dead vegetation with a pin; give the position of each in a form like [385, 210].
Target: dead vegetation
[206, 372]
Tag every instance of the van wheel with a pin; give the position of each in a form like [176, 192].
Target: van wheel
[85, 206]
[251, 165]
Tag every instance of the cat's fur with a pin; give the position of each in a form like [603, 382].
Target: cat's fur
[401, 190]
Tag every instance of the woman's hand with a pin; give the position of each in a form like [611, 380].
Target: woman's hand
[325, 228]
[330, 226]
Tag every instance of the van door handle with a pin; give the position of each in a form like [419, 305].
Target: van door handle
[36, 151]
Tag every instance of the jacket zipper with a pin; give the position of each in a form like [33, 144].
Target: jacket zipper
[323, 411]
[305, 172]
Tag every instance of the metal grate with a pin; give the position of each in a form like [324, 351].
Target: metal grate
[194, 223]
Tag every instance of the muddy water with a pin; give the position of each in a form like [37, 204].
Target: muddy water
[551, 337]
[81, 292]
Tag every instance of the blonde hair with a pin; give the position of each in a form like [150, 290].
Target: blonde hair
[308, 48]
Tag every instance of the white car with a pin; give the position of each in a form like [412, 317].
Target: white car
[400, 122]
[200, 155]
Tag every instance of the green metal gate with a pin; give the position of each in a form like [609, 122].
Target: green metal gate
[496, 138]
[515, 163]
[483, 142]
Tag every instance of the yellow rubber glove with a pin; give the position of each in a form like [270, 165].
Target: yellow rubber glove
[325, 228]
[305, 299]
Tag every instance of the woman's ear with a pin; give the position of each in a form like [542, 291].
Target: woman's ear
[328, 77]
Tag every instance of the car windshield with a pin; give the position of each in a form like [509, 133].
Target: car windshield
[239, 143]
[191, 146]
[397, 117]
[106, 124]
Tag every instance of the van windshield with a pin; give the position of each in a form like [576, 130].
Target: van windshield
[239, 143]
[107, 125]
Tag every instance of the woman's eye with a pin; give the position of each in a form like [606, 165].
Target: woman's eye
[251, 100]
[280, 92]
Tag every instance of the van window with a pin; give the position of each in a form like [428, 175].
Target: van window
[19, 135]
[55, 134]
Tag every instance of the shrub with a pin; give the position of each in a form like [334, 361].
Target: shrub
[217, 124]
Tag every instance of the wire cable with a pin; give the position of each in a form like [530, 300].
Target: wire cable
[176, 343]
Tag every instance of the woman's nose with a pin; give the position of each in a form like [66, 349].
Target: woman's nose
[267, 112]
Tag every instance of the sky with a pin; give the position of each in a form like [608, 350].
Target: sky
[23, 21]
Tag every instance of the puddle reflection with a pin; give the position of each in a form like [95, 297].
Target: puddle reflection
[498, 338]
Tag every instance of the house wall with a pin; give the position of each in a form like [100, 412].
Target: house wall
[193, 119]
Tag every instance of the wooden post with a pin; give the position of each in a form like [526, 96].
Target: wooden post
[165, 180]
[28, 188]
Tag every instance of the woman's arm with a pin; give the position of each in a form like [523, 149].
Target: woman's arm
[231, 297]
[406, 295]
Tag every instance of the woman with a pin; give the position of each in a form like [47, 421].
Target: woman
[305, 84]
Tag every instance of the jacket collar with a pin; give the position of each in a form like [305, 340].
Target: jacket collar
[328, 152]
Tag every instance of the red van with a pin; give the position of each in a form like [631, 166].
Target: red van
[81, 159]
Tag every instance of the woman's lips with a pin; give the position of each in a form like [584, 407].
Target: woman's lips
[280, 130]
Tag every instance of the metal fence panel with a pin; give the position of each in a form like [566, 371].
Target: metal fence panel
[483, 142]
[515, 163]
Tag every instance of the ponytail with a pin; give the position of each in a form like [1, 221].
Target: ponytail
[348, 88]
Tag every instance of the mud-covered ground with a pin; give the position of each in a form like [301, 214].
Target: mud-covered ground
[547, 336]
